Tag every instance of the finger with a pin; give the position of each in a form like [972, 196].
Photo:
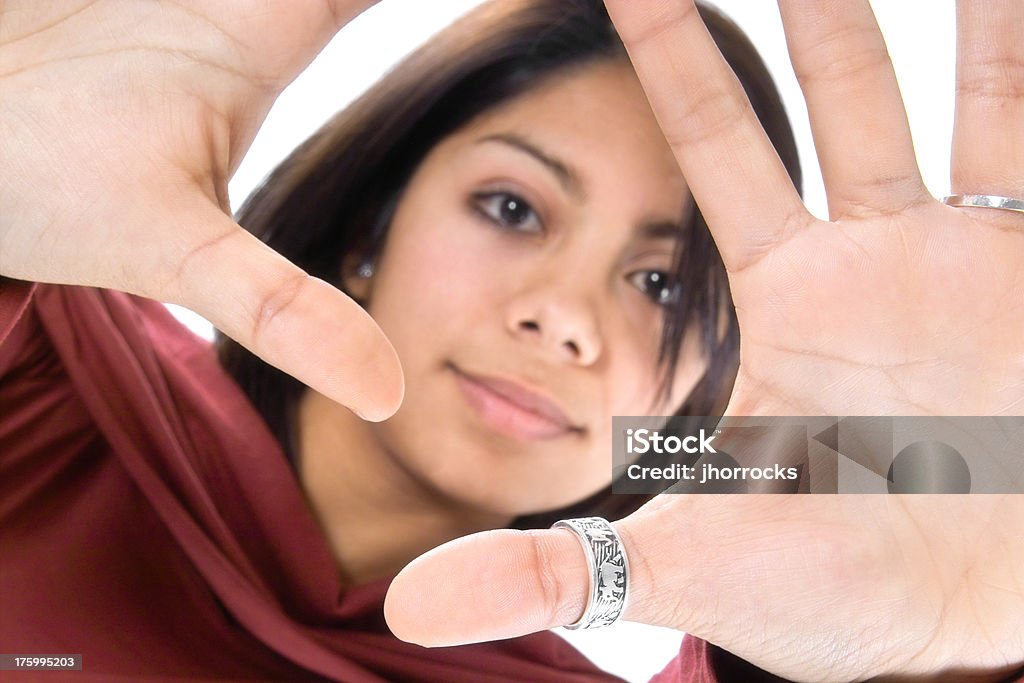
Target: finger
[732, 168]
[295, 322]
[857, 115]
[988, 133]
[506, 583]
[489, 586]
[743, 572]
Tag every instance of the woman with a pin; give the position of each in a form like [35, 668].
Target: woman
[378, 172]
[236, 562]
[505, 207]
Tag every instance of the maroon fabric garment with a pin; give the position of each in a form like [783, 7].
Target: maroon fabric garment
[701, 662]
[150, 522]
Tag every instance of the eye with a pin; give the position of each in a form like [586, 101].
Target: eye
[658, 286]
[508, 211]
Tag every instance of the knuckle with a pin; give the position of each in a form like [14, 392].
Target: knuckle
[706, 116]
[995, 78]
[539, 560]
[856, 67]
[885, 195]
[763, 244]
[844, 54]
[272, 302]
[192, 260]
[895, 182]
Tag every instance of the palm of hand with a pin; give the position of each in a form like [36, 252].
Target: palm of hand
[134, 115]
[908, 314]
[900, 305]
[915, 313]
[160, 101]
[923, 582]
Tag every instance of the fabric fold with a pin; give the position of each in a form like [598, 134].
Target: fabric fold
[179, 480]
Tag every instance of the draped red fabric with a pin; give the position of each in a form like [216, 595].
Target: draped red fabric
[702, 662]
[150, 522]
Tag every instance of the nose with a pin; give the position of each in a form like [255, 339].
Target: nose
[564, 323]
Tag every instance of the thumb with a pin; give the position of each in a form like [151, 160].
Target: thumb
[295, 322]
[489, 586]
[503, 584]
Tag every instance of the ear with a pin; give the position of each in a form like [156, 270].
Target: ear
[357, 282]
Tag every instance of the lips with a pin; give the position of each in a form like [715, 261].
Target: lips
[514, 409]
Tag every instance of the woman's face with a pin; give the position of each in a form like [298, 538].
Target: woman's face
[522, 283]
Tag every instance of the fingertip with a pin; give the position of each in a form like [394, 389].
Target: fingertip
[489, 585]
[466, 581]
[384, 384]
[298, 323]
[418, 593]
[345, 355]
[400, 610]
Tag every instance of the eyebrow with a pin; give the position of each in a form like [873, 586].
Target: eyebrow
[662, 230]
[567, 177]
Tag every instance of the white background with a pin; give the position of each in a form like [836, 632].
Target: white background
[921, 39]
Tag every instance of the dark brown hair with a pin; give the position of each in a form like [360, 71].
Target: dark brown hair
[335, 195]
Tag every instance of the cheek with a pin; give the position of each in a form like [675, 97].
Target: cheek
[427, 281]
[634, 380]
[633, 392]
[632, 377]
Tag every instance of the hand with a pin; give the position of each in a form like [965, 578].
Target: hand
[898, 305]
[120, 125]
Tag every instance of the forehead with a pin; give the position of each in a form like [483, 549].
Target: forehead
[597, 119]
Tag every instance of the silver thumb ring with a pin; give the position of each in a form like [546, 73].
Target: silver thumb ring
[608, 569]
